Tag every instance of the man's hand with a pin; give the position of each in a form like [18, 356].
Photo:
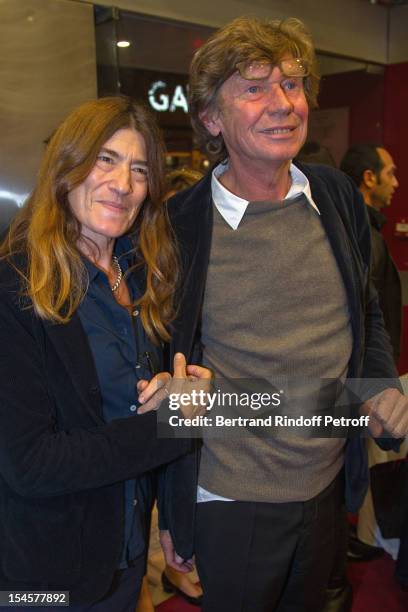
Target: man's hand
[172, 558]
[186, 379]
[388, 412]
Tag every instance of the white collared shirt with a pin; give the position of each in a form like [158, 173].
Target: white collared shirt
[232, 208]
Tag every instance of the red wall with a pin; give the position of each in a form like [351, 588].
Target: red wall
[378, 111]
[363, 95]
[395, 139]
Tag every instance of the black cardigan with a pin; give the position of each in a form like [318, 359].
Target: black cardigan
[61, 466]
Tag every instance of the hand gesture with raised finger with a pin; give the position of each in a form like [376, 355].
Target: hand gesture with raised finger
[186, 378]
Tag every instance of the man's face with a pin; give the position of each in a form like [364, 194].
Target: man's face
[261, 120]
[386, 183]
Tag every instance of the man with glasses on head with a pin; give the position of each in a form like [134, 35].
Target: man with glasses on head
[275, 260]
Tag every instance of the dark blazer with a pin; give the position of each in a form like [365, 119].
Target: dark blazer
[344, 218]
[385, 277]
[62, 466]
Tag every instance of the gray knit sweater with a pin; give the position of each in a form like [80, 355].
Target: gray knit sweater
[274, 306]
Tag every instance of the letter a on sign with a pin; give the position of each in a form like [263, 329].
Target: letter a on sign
[179, 100]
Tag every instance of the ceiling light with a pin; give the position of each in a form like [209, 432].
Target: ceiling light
[123, 43]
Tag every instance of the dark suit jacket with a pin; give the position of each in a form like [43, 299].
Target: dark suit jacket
[385, 277]
[344, 218]
[62, 466]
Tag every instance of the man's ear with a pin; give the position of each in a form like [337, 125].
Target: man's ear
[369, 179]
[210, 118]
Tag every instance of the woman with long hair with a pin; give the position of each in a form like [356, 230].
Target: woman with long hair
[88, 273]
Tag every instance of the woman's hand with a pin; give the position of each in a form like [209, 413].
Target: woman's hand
[186, 379]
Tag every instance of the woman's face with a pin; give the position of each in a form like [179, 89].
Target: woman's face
[107, 202]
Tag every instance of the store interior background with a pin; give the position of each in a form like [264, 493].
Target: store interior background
[57, 53]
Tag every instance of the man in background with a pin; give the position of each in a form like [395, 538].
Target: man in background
[373, 170]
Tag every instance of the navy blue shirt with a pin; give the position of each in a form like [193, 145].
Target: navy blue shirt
[123, 354]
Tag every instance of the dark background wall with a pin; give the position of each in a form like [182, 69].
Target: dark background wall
[362, 93]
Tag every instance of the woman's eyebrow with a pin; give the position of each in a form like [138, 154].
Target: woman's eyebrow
[110, 152]
[117, 155]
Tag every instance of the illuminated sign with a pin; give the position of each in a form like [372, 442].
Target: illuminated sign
[165, 93]
[162, 101]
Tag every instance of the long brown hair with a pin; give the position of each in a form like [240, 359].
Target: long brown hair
[47, 232]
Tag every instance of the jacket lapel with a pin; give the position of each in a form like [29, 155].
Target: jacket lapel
[344, 252]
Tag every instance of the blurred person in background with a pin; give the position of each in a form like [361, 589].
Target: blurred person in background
[313, 152]
[181, 178]
[88, 273]
[373, 170]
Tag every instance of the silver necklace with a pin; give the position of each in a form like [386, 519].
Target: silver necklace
[119, 274]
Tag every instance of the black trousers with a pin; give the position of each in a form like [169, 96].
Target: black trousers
[123, 594]
[267, 557]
